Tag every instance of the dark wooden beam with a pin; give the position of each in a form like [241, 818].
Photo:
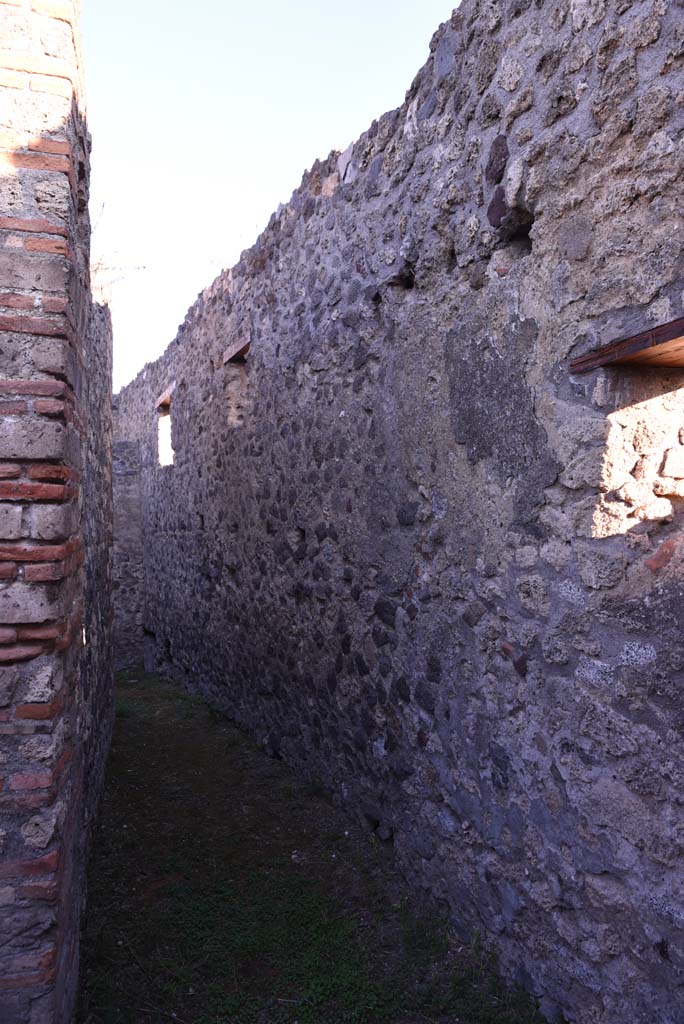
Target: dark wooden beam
[236, 351]
[661, 346]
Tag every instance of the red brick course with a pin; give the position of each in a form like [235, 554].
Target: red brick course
[28, 981]
[8, 300]
[54, 304]
[35, 225]
[35, 780]
[53, 245]
[34, 324]
[39, 161]
[30, 868]
[44, 891]
[46, 471]
[49, 407]
[33, 387]
[38, 553]
[20, 652]
[48, 573]
[33, 492]
[40, 712]
[46, 145]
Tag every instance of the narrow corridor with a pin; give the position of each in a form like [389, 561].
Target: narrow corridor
[224, 890]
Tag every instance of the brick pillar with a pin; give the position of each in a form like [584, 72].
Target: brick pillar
[50, 340]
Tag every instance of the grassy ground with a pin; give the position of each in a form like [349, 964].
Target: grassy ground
[223, 890]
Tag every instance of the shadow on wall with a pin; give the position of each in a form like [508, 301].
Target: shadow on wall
[135, 643]
[127, 554]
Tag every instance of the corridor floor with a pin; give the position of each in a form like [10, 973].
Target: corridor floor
[224, 890]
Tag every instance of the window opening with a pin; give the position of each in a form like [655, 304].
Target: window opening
[235, 363]
[165, 452]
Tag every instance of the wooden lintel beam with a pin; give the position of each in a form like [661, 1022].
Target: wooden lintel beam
[660, 346]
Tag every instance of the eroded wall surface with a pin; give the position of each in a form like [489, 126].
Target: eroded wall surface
[407, 548]
[55, 513]
[127, 556]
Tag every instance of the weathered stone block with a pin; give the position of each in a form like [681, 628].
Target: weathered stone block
[30, 272]
[44, 678]
[52, 522]
[29, 438]
[10, 522]
[51, 355]
[674, 463]
[600, 567]
[22, 602]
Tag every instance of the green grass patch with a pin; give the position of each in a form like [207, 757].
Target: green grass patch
[225, 890]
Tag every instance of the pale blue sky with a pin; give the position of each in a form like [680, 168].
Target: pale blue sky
[204, 116]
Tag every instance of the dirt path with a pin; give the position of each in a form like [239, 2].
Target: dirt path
[223, 890]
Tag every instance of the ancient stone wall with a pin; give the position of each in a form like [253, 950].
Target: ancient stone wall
[412, 552]
[128, 589]
[55, 513]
